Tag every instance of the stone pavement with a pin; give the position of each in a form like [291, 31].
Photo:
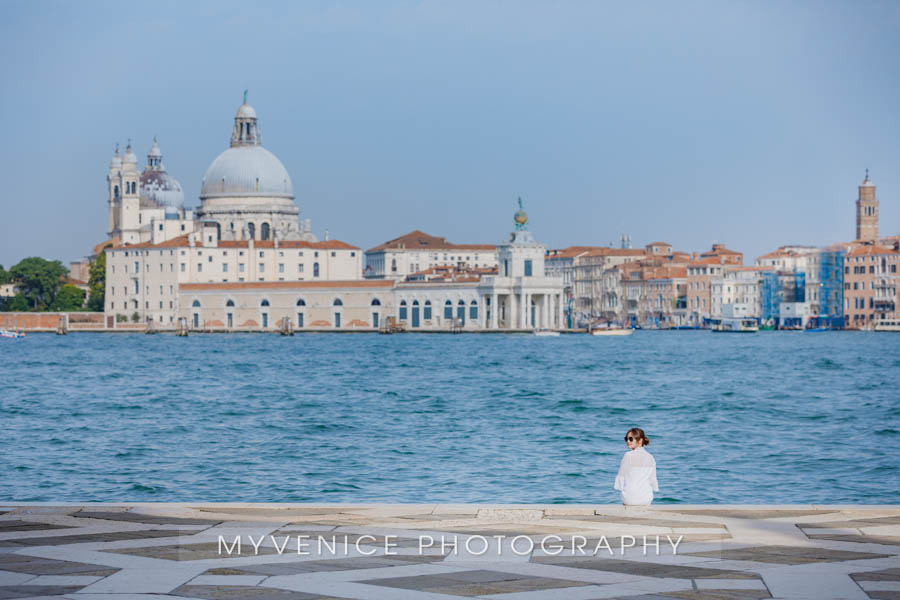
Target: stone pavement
[109, 551]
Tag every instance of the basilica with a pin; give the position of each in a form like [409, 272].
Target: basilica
[242, 261]
[246, 192]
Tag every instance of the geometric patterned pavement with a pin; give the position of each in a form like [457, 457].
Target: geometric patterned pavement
[521, 552]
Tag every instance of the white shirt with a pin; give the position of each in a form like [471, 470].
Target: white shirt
[637, 477]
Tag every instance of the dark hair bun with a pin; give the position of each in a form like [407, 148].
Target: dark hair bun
[639, 433]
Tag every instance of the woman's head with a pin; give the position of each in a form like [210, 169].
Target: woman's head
[635, 438]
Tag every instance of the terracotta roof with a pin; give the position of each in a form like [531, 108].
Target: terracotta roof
[717, 250]
[286, 285]
[113, 243]
[419, 240]
[570, 252]
[872, 250]
[658, 244]
[712, 260]
[72, 281]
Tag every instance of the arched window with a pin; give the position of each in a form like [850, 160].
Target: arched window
[415, 302]
[315, 269]
[230, 303]
[251, 230]
[448, 310]
[264, 231]
[376, 302]
[473, 310]
[264, 302]
[301, 302]
[403, 310]
[338, 302]
[196, 304]
[427, 311]
[393, 265]
[116, 192]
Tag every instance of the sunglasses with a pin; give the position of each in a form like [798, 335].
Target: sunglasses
[628, 438]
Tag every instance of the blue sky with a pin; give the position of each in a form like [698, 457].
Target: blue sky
[749, 123]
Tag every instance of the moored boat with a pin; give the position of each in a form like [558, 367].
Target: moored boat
[734, 325]
[546, 333]
[12, 334]
[610, 329]
[887, 325]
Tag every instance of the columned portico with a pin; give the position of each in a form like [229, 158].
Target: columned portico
[521, 280]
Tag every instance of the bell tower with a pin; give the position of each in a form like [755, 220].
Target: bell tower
[867, 212]
[114, 199]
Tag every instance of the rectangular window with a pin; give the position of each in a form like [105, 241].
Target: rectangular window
[240, 267]
[300, 268]
[262, 254]
[199, 267]
[262, 267]
[265, 319]
[337, 319]
[224, 267]
[299, 319]
[182, 267]
[281, 267]
[527, 267]
[137, 269]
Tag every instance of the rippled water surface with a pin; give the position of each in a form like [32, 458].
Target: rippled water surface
[769, 417]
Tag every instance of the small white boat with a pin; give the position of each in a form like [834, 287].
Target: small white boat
[611, 331]
[12, 334]
[546, 333]
[887, 325]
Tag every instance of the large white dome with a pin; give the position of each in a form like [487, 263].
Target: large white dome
[247, 170]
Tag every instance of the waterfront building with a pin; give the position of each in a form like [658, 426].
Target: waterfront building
[736, 293]
[262, 306]
[416, 251]
[592, 293]
[871, 280]
[801, 266]
[517, 294]
[145, 279]
[701, 270]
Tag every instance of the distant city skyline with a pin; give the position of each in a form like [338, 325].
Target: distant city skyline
[745, 124]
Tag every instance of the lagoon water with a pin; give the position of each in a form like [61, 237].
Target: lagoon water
[773, 417]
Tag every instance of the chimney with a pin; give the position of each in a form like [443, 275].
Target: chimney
[696, 256]
[326, 235]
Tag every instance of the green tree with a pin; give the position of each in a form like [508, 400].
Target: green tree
[4, 276]
[17, 303]
[70, 298]
[38, 279]
[97, 283]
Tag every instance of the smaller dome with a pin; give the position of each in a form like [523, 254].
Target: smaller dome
[116, 162]
[159, 189]
[246, 112]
